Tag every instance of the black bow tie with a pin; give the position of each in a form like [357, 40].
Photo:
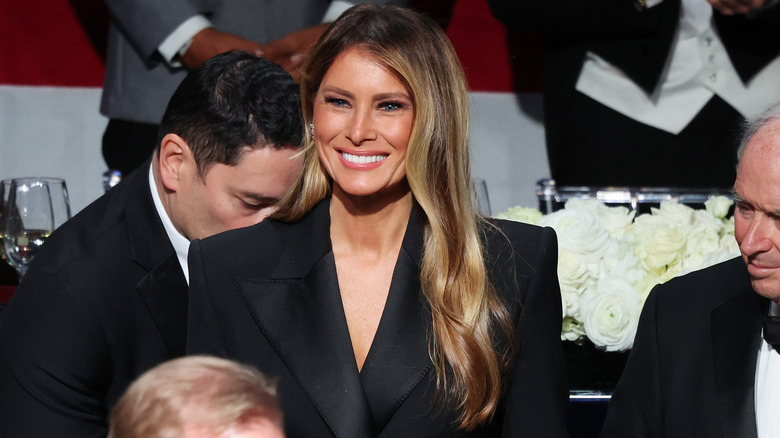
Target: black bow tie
[772, 331]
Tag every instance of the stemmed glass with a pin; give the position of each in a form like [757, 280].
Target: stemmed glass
[32, 209]
[479, 194]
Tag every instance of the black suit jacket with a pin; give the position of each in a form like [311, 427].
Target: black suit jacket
[104, 300]
[268, 295]
[691, 372]
[638, 43]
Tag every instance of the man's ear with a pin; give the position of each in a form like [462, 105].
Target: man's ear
[176, 162]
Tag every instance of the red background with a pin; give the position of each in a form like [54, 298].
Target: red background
[61, 43]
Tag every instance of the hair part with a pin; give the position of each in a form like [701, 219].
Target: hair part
[465, 307]
[209, 393]
[232, 103]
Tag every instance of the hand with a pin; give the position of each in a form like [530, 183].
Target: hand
[731, 7]
[210, 42]
[290, 50]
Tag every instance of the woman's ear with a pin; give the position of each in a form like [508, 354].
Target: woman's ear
[176, 162]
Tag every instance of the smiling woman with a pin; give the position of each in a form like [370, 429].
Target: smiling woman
[362, 121]
[379, 297]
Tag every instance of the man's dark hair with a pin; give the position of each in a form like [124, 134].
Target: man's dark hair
[233, 102]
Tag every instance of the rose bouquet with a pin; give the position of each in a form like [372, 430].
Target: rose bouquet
[609, 259]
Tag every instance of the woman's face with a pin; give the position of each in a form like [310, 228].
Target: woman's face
[363, 119]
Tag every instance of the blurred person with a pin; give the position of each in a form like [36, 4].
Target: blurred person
[105, 298]
[699, 365]
[380, 298]
[650, 92]
[151, 46]
[198, 396]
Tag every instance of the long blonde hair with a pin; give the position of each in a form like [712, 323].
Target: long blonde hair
[465, 307]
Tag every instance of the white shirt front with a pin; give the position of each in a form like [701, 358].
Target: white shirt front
[768, 388]
[698, 68]
[180, 243]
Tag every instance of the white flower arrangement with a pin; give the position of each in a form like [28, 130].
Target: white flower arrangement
[609, 259]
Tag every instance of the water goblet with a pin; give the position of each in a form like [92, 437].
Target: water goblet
[34, 208]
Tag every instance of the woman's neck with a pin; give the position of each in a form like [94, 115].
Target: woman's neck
[368, 224]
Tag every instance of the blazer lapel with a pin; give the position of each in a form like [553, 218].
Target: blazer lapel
[299, 312]
[164, 292]
[164, 289]
[398, 359]
[736, 327]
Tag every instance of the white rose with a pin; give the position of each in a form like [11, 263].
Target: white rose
[703, 220]
[702, 241]
[571, 330]
[610, 313]
[730, 243]
[674, 212]
[658, 243]
[619, 259]
[646, 284]
[572, 270]
[570, 300]
[718, 206]
[522, 214]
[713, 258]
[727, 232]
[617, 220]
[579, 231]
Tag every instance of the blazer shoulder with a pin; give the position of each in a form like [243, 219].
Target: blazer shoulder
[709, 286]
[101, 231]
[523, 239]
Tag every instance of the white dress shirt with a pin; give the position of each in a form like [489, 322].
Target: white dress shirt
[698, 68]
[180, 243]
[768, 389]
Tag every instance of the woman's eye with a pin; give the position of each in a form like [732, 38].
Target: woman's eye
[391, 106]
[336, 101]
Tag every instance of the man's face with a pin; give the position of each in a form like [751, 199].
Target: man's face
[229, 197]
[757, 213]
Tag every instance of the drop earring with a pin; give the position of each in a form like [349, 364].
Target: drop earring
[311, 129]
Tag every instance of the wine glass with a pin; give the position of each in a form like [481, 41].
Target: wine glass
[5, 185]
[479, 194]
[34, 208]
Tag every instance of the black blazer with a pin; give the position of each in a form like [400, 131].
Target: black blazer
[104, 300]
[268, 295]
[691, 372]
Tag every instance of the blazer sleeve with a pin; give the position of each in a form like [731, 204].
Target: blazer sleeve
[146, 23]
[537, 398]
[54, 363]
[635, 407]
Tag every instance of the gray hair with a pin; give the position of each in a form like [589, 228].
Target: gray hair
[752, 126]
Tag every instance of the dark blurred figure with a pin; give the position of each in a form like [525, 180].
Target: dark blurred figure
[152, 44]
[650, 93]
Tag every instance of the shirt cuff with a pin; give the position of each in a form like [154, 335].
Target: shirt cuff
[335, 9]
[179, 40]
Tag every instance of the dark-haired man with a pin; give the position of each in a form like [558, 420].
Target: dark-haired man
[106, 297]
